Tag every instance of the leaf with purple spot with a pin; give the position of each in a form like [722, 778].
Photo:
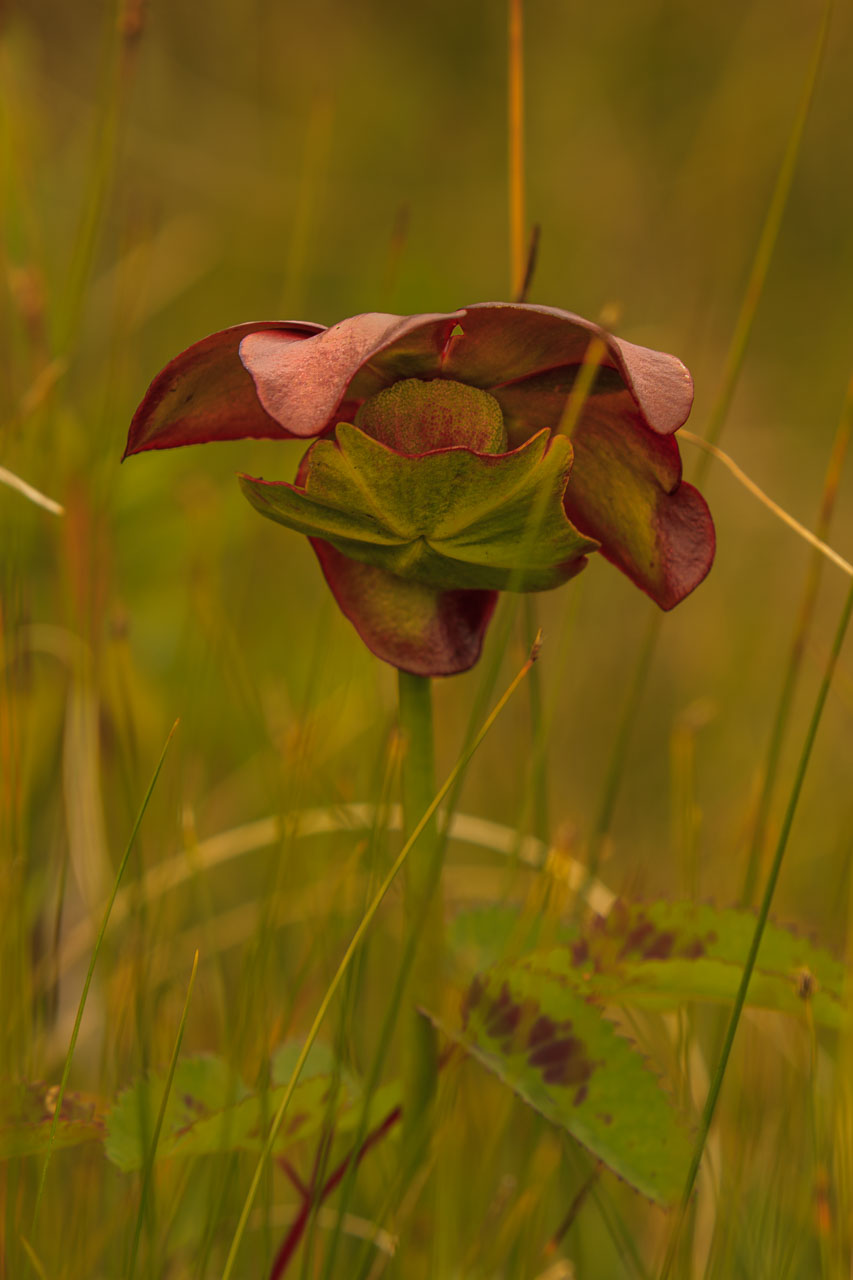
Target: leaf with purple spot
[210, 1110]
[27, 1115]
[657, 955]
[558, 1053]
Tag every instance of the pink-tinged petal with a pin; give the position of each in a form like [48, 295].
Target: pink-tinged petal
[523, 353]
[205, 393]
[310, 387]
[409, 625]
[659, 383]
[625, 490]
[507, 348]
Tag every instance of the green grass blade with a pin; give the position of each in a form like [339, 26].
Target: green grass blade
[797, 651]
[763, 913]
[729, 379]
[350, 952]
[158, 1125]
[766, 244]
[93, 961]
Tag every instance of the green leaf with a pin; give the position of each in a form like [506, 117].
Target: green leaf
[210, 1110]
[482, 936]
[659, 954]
[204, 1088]
[450, 519]
[555, 1049]
[320, 1062]
[26, 1116]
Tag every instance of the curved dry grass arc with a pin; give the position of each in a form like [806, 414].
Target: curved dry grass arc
[751, 487]
[249, 838]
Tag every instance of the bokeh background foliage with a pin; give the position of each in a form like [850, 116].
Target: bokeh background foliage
[184, 168]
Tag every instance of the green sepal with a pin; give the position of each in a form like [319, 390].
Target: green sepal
[451, 518]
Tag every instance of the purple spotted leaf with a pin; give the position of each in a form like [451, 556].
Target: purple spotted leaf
[660, 954]
[27, 1115]
[539, 1035]
[657, 955]
[210, 1110]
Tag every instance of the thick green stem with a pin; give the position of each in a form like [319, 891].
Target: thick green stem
[538, 732]
[423, 908]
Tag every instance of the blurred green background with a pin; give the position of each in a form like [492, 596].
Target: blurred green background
[190, 166]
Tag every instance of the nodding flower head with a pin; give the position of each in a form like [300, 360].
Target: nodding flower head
[441, 471]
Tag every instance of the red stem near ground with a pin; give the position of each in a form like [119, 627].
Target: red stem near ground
[297, 1230]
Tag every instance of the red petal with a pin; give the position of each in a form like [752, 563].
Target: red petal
[625, 490]
[305, 387]
[506, 344]
[411, 626]
[205, 393]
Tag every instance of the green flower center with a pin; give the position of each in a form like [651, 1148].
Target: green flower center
[413, 417]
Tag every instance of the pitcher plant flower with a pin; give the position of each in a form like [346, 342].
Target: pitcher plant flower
[438, 473]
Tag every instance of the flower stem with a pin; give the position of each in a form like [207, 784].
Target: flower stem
[538, 732]
[423, 909]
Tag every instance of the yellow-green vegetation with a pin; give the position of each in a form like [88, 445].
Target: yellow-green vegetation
[635, 1040]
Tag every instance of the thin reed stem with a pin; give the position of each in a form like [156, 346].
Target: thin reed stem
[781, 720]
[522, 264]
[732, 367]
[766, 245]
[758, 933]
[352, 949]
[751, 487]
[158, 1124]
[66, 1071]
[515, 130]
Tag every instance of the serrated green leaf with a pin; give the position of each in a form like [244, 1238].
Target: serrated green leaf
[660, 954]
[556, 1050]
[449, 519]
[204, 1087]
[26, 1116]
[210, 1110]
[656, 955]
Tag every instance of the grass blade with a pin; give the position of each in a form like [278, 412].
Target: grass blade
[719, 412]
[515, 130]
[766, 243]
[158, 1125]
[800, 529]
[351, 950]
[88, 980]
[763, 913]
[41, 500]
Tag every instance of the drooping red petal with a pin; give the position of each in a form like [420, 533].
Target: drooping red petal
[523, 354]
[205, 393]
[305, 388]
[503, 347]
[409, 625]
[626, 490]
